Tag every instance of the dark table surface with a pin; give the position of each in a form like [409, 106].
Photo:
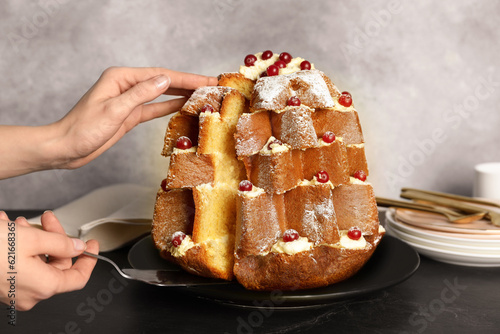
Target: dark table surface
[438, 298]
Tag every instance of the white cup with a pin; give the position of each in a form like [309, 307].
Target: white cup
[487, 180]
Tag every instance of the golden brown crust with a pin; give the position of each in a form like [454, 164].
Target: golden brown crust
[272, 93]
[277, 102]
[197, 261]
[321, 266]
[174, 211]
[294, 127]
[180, 125]
[189, 169]
[238, 82]
[277, 172]
[343, 124]
[252, 236]
[281, 172]
[309, 210]
[355, 206]
[252, 132]
[334, 91]
[331, 158]
[357, 159]
[211, 95]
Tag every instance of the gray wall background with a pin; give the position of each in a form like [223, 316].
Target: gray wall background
[424, 76]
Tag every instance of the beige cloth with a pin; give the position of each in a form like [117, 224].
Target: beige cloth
[113, 215]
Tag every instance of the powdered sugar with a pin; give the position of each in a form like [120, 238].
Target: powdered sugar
[316, 87]
[211, 95]
[271, 93]
[296, 128]
[202, 92]
[317, 218]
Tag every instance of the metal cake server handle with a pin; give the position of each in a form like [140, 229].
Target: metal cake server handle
[161, 277]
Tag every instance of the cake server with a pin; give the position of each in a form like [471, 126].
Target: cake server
[161, 277]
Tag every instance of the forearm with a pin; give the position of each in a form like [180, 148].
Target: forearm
[113, 106]
[26, 149]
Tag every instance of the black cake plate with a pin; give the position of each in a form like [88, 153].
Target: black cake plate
[392, 262]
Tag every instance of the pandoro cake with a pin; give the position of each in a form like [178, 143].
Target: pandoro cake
[267, 180]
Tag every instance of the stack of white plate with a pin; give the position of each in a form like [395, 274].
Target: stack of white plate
[478, 248]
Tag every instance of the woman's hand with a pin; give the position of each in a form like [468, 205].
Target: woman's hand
[38, 277]
[116, 103]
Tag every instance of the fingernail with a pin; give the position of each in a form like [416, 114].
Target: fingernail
[48, 211]
[162, 81]
[3, 215]
[79, 244]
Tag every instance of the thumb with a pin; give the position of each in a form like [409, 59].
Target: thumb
[145, 91]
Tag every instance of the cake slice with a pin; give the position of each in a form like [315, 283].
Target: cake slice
[195, 211]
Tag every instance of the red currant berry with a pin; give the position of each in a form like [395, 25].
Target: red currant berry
[263, 74]
[354, 233]
[276, 141]
[207, 108]
[293, 101]
[245, 185]
[345, 99]
[305, 65]
[164, 185]
[273, 70]
[322, 177]
[177, 238]
[280, 63]
[250, 60]
[184, 143]
[360, 175]
[267, 54]
[290, 235]
[286, 57]
[328, 137]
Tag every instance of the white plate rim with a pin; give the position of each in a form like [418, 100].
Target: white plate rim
[456, 258]
[439, 245]
[461, 241]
